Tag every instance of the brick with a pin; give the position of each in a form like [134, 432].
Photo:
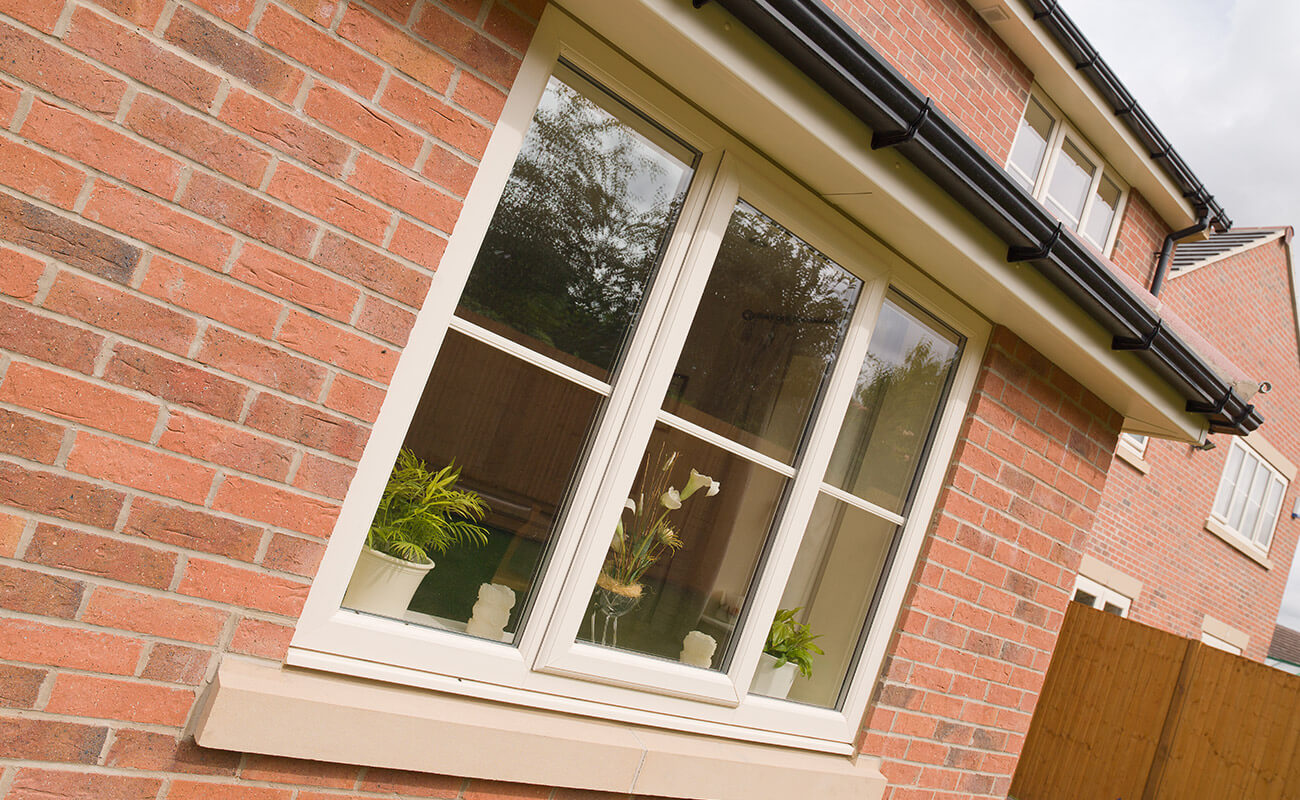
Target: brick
[55, 342]
[307, 426]
[50, 740]
[107, 698]
[358, 122]
[509, 27]
[115, 559]
[73, 243]
[234, 55]
[35, 174]
[59, 496]
[144, 13]
[320, 12]
[20, 687]
[295, 282]
[300, 772]
[286, 132]
[329, 202]
[425, 110]
[479, 97]
[123, 49]
[501, 790]
[410, 784]
[262, 363]
[41, 16]
[176, 382]
[174, 663]
[237, 12]
[275, 506]
[33, 592]
[229, 446]
[396, 47]
[211, 294]
[195, 138]
[373, 270]
[405, 193]
[121, 312]
[338, 346]
[412, 242]
[467, 44]
[34, 642]
[99, 146]
[140, 468]
[194, 790]
[257, 637]
[19, 275]
[248, 588]
[193, 529]
[450, 170]
[294, 555]
[158, 224]
[40, 784]
[397, 10]
[11, 530]
[158, 616]
[9, 96]
[249, 214]
[319, 50]
[162, 752]
[354, 398]
[58, 72]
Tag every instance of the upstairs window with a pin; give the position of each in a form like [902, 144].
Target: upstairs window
[1051, 161]
[1249, 497]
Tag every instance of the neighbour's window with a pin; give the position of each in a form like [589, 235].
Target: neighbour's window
[1249, 496]
[1103, 598]
[1052, 162]
[1219, 644]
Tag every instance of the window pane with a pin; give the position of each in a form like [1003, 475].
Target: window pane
[1104, 203]
[1241, 493]
[1229, 480]
[1031, 144]
[579, 229]
[1111, 608]
[1071, 179]
[516, 432]
[764, 337]
[900, 387]
[1268, 520]
[834, 581]
[1080, 596]
[671, 571]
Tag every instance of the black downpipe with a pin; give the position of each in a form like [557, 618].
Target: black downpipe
[1167, 251]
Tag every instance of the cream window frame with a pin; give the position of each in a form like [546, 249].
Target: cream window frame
[1218, 521]
[1102, 595]
[546, 670]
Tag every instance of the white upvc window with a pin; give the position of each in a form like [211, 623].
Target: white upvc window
[634, 299]
[1249, 497]
[1054, 163]
[1101, 597]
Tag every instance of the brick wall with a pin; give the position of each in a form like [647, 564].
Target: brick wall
[1152, 526]
[990, 590]
[1137, 244]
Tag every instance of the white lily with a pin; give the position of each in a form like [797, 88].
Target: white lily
[629, 505]
[616, 544]
[695, 483]
[714, 488]
[671, 500]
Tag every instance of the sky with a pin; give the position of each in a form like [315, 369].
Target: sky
[1221, 79]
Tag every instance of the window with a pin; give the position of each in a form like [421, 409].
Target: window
[688, 396]
[1219, 644]
[1051, 161]
[1249, 497]
[1103, 598]
[1132, 448]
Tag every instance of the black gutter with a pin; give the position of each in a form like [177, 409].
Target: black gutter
[1167, 251]
[1087, 60]
[820, 44]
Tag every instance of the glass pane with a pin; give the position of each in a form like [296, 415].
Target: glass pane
[1104, 203]
[1254, 499]
[1071, 179]
[673, 571]
[579, 230]
[1227, 482]
[516, 433]
[1080, 596]
[1111, 608]
[834, 584]
[899, 390]
[764, 337]
[1268, 521]
[1031, 144]
[1241, 493]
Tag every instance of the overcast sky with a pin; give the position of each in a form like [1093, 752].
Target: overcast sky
[1219, 78]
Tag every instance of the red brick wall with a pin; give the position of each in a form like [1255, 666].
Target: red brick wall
[990, 591]
[1137, 245]
[1152, 526]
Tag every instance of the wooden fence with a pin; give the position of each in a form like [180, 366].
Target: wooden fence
[1129, 712]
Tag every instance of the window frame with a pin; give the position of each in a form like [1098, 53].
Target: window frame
[1219, 523]
[339, 640]
[1102, 594]
[1060, 132]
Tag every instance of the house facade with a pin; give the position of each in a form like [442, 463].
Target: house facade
[862, 283]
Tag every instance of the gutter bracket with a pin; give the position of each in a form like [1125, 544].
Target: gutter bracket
[1235, 426]
[1032, 253]
[891, 138]
[1126, 110]
[1194, 407]
[1047, 12]
[1138, 342]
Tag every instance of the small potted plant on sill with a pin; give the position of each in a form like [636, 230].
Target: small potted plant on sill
[421, 513]
[789, 648]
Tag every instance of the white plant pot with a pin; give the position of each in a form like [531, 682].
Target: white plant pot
[382, 584]
[771, 680]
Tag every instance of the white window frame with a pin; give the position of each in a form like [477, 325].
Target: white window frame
[546, 668]
[1132, 449]
[1257, 542]
[1061, 132]
[1101, 594]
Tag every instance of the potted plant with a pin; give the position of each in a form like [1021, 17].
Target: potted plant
[421, 513]
[789, 647]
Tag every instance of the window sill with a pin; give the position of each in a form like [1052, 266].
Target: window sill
[259, 707]
[1250, 551]
[1130, 456]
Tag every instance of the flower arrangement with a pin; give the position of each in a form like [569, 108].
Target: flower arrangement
[648, 535]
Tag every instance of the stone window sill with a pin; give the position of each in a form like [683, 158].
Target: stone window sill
[1226, 534]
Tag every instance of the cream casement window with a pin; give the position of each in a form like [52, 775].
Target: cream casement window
[690, 395]
[1249, 498]
[1053, 162]
[1101, 597]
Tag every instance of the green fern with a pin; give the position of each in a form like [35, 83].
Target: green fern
[422, 513]
[790, 641]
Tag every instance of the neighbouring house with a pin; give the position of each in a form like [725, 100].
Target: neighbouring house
[1284, 650]
[1200, 542]
[875, 271]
